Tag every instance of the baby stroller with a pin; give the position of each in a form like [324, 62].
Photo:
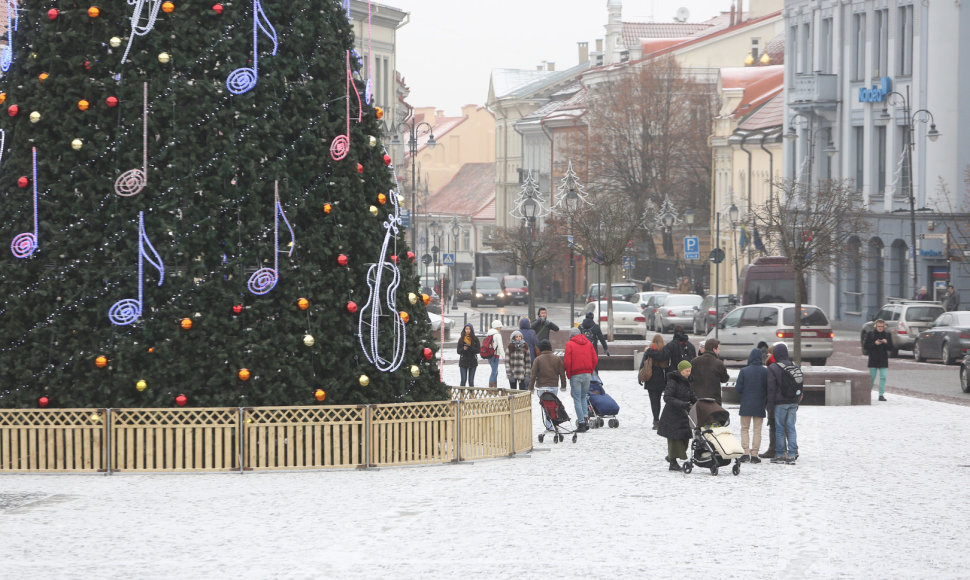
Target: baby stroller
[713, 444]
[601, 405]
[554, 413]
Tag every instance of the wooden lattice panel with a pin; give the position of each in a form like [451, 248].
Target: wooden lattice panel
[522, 418]
[463, 393]
[68, 440]
[175, 439]
[304, 437]
[486, 428]
[412, 433]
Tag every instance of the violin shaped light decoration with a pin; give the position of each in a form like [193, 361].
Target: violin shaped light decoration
[137, 27]
[24, 245]
[133, 181]
[127, 311]
[265, 279]
[341, 143]
[13, 22]
[243, 79]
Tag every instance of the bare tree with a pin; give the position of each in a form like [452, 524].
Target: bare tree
[810, 225]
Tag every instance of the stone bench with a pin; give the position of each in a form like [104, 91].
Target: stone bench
[817, 380]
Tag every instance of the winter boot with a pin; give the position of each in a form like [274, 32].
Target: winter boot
[674, 466]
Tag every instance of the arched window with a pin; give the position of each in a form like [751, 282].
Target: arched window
[853, 276]
[876, 270]
[898, 269]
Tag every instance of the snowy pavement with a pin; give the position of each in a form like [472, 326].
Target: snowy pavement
[879, 491]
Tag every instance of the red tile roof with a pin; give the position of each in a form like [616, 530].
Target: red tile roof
[760, 84]
[770, 114]
[468, 192]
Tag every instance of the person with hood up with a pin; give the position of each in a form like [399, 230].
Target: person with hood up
[547, 371]
[593, 333]
[496, 333]
[674, 425]
[530, 337]
[469, 348]
[709, 372]
[580, 363]
[679, 348]
[518, 363]
[785, 408]
[752, 387]
[657, 357]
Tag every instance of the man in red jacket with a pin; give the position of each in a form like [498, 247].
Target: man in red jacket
[580, 362]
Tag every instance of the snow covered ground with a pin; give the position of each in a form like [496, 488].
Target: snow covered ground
[879, 491]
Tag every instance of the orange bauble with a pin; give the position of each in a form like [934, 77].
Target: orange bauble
[320, 395]
[186, 323]
[381, 198]
[43, 76]
[83, 105]
[94, 12]
[243, 374]
[327, 208]
[426, 299]
[379, 112]
[303, 303]
[405, 316]
[168, 7]
[101, 362]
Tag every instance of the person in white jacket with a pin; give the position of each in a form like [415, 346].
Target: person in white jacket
[496, 333]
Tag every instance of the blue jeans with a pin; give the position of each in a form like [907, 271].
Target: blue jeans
[882, 378]
[579, 385]
[493, 362]
[468, 375]
[785, 423]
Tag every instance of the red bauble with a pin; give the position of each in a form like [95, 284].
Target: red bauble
[351, 307]
[12, 110]
[394, 259]
[360, 168]
[52, 14]
[428, 353]
[43, 402]
[181, 400]
[23, 182]
[112, 102]
[411, 256]
[342, 260]
[387, 159]
[237, 309]
[217, 8]
[87, 65]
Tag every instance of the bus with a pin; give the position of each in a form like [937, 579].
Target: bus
[769, 279]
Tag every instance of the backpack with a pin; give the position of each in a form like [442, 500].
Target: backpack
[487, 351]
[791, 381]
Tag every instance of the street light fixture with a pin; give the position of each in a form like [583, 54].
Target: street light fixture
[435, 234]
[734, 214]
[414, 130]
[455, 231]
[569, 199]
[923, 116]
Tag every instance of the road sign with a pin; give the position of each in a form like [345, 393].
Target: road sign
[629, 262]
[717, 255]
[692, 248]
[448, 259]
[406, 218]
[426, 259]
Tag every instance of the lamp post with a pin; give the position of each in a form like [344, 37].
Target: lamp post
[572, 204]
[527, 206]
[668, 219]
[455, 231]
[414, 130]
[923, 116]
[734, 214]
[435, 233]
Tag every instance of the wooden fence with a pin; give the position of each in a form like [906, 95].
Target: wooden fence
[477, 423]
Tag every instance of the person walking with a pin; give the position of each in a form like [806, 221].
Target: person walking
[496, 333]
[518, 363]
[679, 348]
[709, 372]
[752, 388]
[593, 333]
[951, 301]
[547, 371]
[786, 408]
[678, 397]
[658, 359]
[530, 337]
[877, 345]
[580, 362]
[469, 349]
[541, 325]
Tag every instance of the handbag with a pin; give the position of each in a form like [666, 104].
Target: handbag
[646, 370]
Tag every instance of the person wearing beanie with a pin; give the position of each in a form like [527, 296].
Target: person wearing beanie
[709, 372]
[580, 363]
[674, 425]
[594, 333]
[547, 371]
[496, 333]
[469, 349]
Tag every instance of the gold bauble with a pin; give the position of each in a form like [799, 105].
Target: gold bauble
[115, 42]
[141, 385]
[373, 210]
[415, 370]
[77, 144]
[164, 57]
[364, 380]
[372, 141]
[308, 339]
[34, 117]
[412, 298]
[400, 200]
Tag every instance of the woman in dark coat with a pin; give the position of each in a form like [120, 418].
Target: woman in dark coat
[878, 343]
[674, 425]
[468, 350]
[529, 336]
[752, 387]
[657, 357]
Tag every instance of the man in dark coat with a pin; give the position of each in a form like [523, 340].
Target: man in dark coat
[594, 333]
[951, 301]
[752, 388]
[680, 348]
[709, 372]
[542, 325]
[878, 343]
[785, 408]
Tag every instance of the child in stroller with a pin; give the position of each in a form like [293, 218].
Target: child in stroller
[554, 416]
[713, 445]
[601, 404]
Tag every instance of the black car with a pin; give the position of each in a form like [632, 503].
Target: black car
[947, 338]
[464, 291]
[487, 290]
[704, 316]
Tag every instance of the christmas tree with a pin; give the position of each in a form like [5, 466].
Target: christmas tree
[198, 204]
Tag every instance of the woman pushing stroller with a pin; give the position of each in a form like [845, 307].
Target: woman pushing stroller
[674, 423]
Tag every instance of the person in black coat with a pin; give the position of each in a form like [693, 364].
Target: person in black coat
[657, 357]
[878, 343]
[468, 350]
[594, 333]
[680, 348]
[674, 425]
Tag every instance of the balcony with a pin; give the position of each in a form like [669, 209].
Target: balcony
[814, 89]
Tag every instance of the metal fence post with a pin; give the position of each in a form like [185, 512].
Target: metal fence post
[107, 439]
[457, 458]
[367, 436]
[511, 427]
[240, 445]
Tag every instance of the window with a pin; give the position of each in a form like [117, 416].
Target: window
[903, 164]
[825, 46]
[880, 53]
[904, 42]
[923, 313]
[807, 54]
[811, 316]
[466, 240]
[755, 49]
[733, 320]
[880, 145]
[795, 48]
[858, 47]
[859, 144]
[751, 317]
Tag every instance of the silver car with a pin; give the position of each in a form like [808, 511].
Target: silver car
[627, 318]
[744, 327]
[676, 310]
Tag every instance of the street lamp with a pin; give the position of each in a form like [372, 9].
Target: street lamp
[923, 116]
[455, 231]
[436, 233]
[527, 206]
[569, 199]
[414, 130]
[734, 214]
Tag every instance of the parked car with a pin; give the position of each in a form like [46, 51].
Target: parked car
[621, 291]
[464, 291]
[436, 321]
[905, 319]
[627, 317]
[745, 326]
[487, 290]
[641, 298]
[947, 338]
[516, 289]
[706, 315]
[676, 309]
[653, 305]
[964, 379]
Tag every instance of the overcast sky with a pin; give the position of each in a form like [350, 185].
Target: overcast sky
[449, 47]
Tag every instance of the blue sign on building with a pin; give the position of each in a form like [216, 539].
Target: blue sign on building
[692, 248]
[405, 218]
[876, 94]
